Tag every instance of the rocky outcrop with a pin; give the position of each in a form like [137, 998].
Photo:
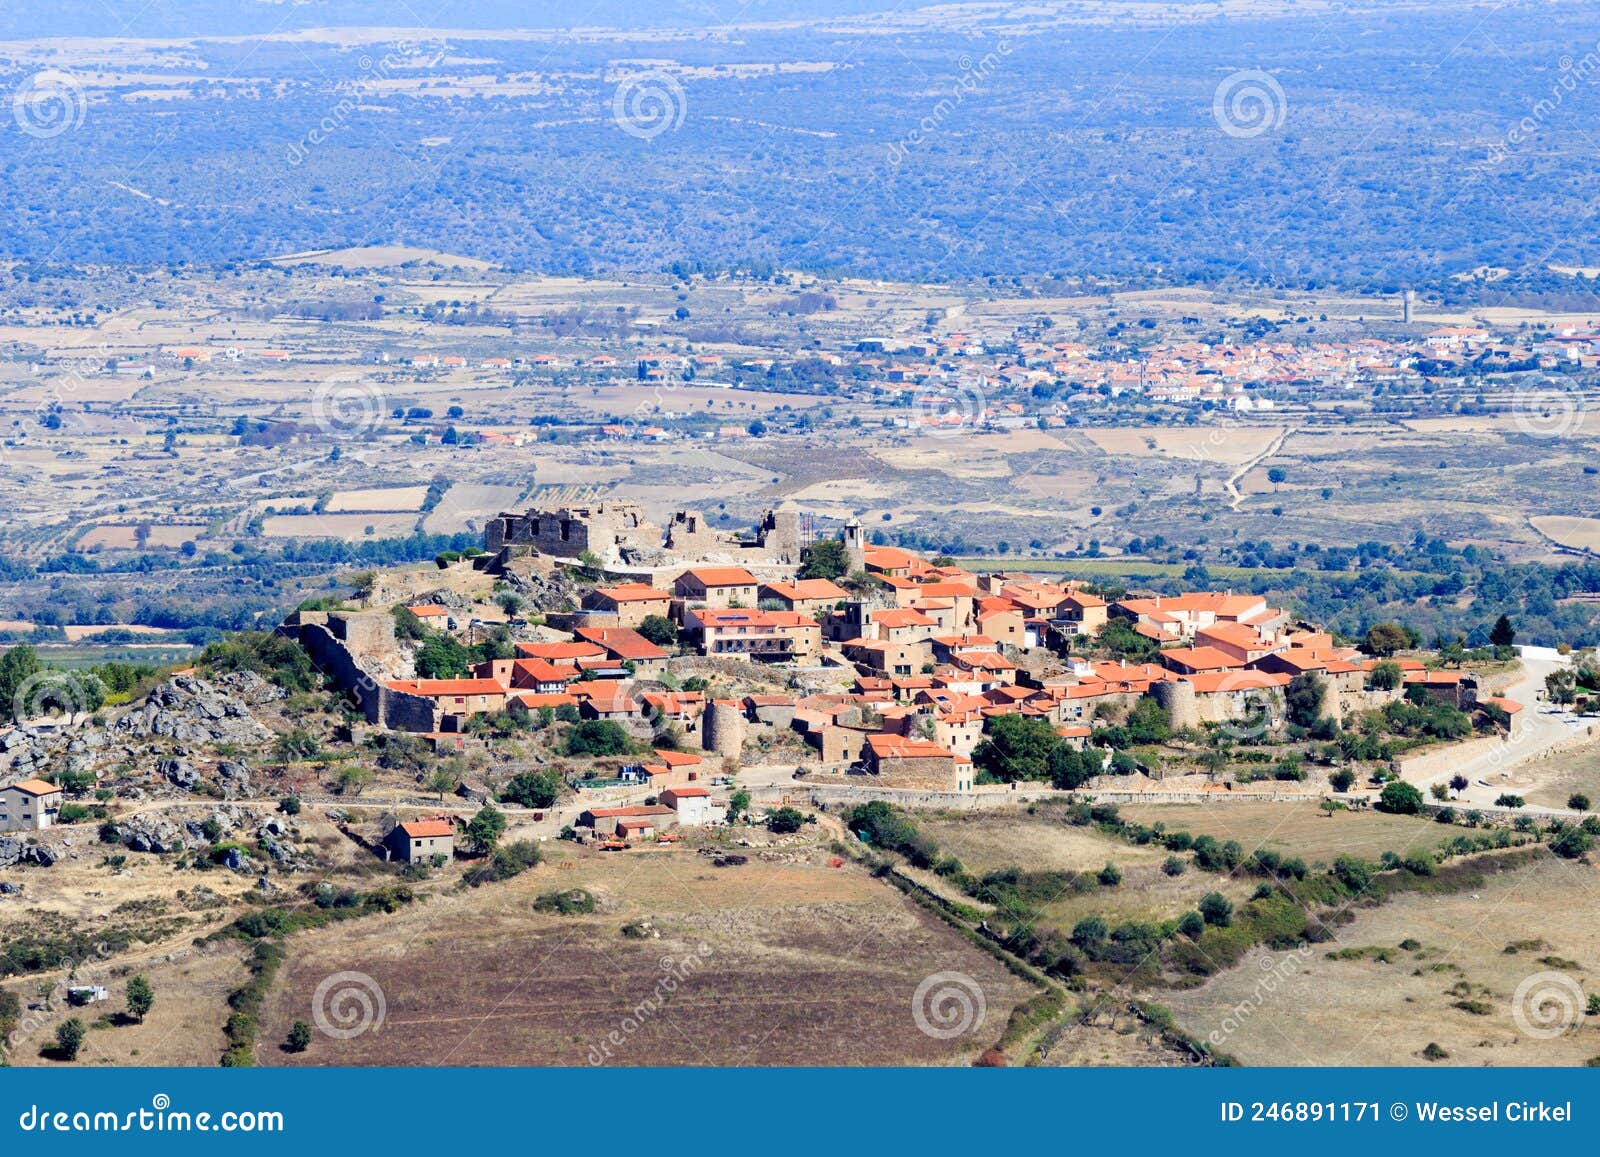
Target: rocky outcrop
[29, 750]
[179, 773]
[14, 851]
[193, 710]
[274, 834]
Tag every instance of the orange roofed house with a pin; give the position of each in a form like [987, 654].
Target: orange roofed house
[433, 705]
[717, 586]
[29, 806]
[898, 761]
[632, 603]
[418, 840]
[772, 635]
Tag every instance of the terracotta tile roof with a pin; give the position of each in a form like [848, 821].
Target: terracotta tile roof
[894, 617]
[424, 829]
[722, 576]
[678, 758]
[643, 809]
[818, 588]
[553, 651]
[899, 747]
[35, 787]
[622, 642]
[633, 593]
[436, 687]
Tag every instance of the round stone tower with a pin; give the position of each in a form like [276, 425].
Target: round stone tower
[1177, 696]
[722, 729]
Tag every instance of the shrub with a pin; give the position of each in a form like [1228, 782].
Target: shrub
[299, 1037]
[69, 1038]
[784, 820]
[1400, 798]
[1507, 799]
[1216, 909]
[598, 737]
[533, 789]
[572, 902]
[511, 860]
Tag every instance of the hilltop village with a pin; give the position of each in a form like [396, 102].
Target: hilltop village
[862, 668]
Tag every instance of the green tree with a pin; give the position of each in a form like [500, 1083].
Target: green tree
[1018, 747]
[299, 1037]
[441, 781]
[1561, 685]
[1354, 874]
[1148, 722]
[1070, 768]
[1384, 639]
[1385, 676]
[825, 559]
[659, 630]
[1216, 909]
[1399, 798]
[784, 820]
[1089, 932]
[17, 666]
[1578, 802]
[1192, 925]
[141, 997]
[1302, 698]
[69, 1038]
[1342, 780]
[1503, 634]
[535, 789]
[441, 657]
[484, 830]
[598, 737]
[1571, 842]
[738, 803]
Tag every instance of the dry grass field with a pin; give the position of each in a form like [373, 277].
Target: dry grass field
[1234, 445]
[987, 841]
[1456, 988]
[346, 526]
[126, 537]
[773, 963]
[1296, 829]
[395, 498]
[1578, 533]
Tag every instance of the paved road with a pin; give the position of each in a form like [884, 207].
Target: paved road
[1515, 765]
